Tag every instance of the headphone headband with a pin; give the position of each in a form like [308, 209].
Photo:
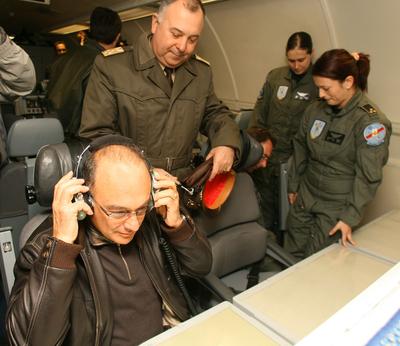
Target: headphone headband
[105, 141]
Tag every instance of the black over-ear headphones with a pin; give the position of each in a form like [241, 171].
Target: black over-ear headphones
[95, 146]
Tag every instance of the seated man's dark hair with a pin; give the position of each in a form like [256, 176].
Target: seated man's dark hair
[105, 25]
[261, 134]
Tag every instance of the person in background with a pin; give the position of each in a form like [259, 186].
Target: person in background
[287, 91]
[82, 37]
[160, 94]
[60, 47]
[267, 141]
[339, 152]
[17, 78]
[69, 75]
[105, 280]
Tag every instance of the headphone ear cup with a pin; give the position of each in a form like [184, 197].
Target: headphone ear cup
[88, 199]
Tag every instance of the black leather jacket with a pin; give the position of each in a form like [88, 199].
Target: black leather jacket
[53, 304]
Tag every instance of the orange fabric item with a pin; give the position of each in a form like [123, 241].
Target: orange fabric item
[218, 190]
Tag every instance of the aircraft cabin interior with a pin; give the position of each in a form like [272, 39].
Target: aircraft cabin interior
[338, 295]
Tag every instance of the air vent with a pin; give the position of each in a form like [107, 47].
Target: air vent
[41, 2]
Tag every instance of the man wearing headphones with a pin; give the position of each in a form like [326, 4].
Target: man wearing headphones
[104, 280]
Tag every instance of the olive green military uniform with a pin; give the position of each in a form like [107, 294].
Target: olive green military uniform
[129, 94]
[338, 160]
[68, 81]
[279, 108]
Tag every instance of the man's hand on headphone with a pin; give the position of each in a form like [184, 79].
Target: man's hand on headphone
[66, 209]
[166, 197]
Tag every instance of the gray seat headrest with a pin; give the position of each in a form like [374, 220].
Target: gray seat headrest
[52, 162]
[27, 136]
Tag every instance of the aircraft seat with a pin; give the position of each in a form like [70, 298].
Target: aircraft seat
[24, 139]
[237, 240]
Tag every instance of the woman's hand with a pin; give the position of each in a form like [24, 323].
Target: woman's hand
[346, 233]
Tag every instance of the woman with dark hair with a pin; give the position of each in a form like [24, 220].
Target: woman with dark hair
[286, 93]
[339, 151]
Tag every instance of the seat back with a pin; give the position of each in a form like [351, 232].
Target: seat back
[236, 238]
[24, 139]
[27, 136]
[53, 161]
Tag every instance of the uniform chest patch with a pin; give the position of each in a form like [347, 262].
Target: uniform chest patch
[302, 96]
[317, 128]
[282, 91]
[335, 137]
[375, 134]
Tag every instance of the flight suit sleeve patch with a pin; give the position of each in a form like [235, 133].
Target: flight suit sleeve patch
[113, 51]
[369, 109]
[375, 134]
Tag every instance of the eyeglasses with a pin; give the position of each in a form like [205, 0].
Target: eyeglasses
[140, 213]
[265, 157]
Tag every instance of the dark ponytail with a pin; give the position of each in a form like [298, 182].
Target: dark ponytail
[337, 64]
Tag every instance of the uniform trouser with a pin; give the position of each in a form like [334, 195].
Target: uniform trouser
[267, 185]
[309, 225]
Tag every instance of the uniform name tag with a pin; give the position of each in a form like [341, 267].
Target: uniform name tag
[335, 137]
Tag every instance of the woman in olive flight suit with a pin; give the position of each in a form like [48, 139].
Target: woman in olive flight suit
[339, 151]
[287, 91]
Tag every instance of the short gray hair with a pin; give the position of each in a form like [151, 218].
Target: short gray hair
[191, 5]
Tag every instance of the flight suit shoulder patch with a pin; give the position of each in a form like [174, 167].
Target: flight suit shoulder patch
[199, 58]
[374, 134]
[113, 51]
[369, 109]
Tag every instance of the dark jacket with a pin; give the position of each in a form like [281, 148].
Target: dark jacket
[58, 300]
[129, 94]
[69, 76]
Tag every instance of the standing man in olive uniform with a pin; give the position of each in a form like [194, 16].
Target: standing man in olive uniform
[69, 74]
[339, 152]
[285, 94]
[161, 95]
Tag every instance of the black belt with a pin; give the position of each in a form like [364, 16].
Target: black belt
[170, 163]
